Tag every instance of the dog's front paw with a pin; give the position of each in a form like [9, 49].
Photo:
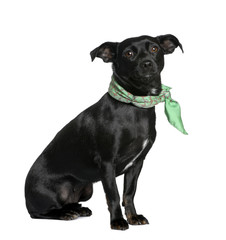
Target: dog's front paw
[137, 220]
[119, 224]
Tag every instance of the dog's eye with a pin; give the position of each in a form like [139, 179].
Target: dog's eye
[129, 54]
[154, 49]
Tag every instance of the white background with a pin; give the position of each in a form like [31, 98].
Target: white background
[47, 78]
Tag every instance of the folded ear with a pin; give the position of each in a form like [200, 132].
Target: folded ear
[107, 51]
[168, 43]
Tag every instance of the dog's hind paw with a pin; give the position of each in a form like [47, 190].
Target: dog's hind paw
[69, 216]
[84, 212]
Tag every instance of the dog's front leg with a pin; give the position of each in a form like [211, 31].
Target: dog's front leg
[130, 185]
[112, 196]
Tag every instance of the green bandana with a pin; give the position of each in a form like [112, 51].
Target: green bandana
[172, 108]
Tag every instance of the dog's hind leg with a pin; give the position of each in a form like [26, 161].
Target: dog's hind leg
[57, 214]
[70, 194]
[59, 200]
[85, 193]
[52, 205]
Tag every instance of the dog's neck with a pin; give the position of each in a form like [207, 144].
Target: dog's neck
[172, 108]
[143, 89]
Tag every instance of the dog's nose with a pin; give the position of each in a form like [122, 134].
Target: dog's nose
[147, 64]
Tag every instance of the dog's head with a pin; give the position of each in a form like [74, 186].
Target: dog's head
[138, 62]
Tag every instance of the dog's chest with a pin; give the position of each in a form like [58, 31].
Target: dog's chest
[130, 154]
[130, 164]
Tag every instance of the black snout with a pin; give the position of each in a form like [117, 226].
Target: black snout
[147, 64]
[147, 68]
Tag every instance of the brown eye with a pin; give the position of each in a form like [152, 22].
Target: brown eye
[129, 54]
[154, 49]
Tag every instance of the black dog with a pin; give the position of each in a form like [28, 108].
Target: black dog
[108, 139]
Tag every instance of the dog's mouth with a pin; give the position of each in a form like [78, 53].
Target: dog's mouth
[142, 84]
[150, 82]
[144, 77]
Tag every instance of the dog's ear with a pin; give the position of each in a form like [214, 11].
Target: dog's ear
[169, 43]
[107, 51]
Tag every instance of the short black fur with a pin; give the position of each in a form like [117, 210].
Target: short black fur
[106, 140]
